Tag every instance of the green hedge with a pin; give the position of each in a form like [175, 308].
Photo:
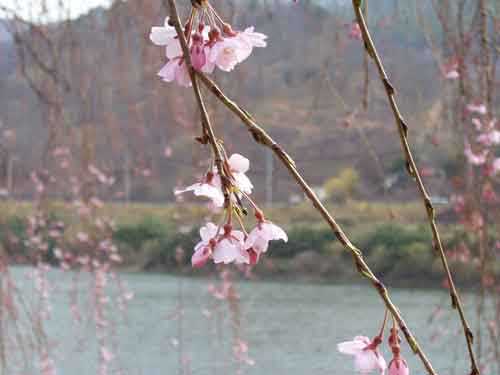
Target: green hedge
[394, 251]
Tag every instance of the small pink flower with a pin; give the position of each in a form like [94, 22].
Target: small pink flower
[354, 31]
[82, 237]
[496, 166]
[166, 36]
[226, 247]
[251, 39]
[209, 187]
[241, 353]
[209, 66]
[176, 70]
[490, 138]
[228, 52]
[106, 354]
[452, 75]
[475, 159]
[257, 241]
[477, 123]
[203, 250]
[450, 70]
[366, 355]
[477, 108]
[238, 166]
[47, 365]
[198, 57]
[398, 366]
[230, 248]
[167, 152]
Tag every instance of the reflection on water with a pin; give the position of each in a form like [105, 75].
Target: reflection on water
[290, 328]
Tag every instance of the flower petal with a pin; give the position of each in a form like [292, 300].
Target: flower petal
[200, 256]
[173, 49]
[161, 36]
[238, 163]
[228, 252]
[274, 232]
[243, 183]
[168, 72]
[209, 191]
[351, 347]
[208, 232]
[366, 361]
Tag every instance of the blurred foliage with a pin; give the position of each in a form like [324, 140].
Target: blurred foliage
[343, 186]
[397, 249]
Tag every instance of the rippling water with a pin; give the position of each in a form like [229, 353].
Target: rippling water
[290, 328]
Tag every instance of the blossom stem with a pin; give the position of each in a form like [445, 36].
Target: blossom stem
[242, 225]
[381, 334]
[413, 171]
[252, 202]
[214, 12]
[192, 17]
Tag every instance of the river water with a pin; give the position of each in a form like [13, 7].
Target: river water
[174, 325]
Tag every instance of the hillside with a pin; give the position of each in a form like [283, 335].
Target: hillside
[302, 88]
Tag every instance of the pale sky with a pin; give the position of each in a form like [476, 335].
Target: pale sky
[50, 10]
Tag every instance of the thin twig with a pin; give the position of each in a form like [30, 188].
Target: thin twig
[413, 171]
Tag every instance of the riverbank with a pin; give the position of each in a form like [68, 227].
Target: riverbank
[394, 238]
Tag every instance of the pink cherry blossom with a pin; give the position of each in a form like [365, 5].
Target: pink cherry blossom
[176, 70]
[228, 52]
[496, 166]
[477, 123]
[106, 354]
[452, 74]
[257, 241]
[166, 36]
[477, 108]
[366, 355]
[167, 152]
[450, 70]
[198, 56]
[238, 166]
[230, 248]
[475, 159]
[223, 245]
[209, 187]
[209, 65]
[203, 250]
[354, 31]
[251, 39]
[82, 237]
[47, 365]
[489, 138]
[398, 366]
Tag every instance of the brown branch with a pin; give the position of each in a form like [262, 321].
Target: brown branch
[413, 171]
[207, 126]
[261, 137]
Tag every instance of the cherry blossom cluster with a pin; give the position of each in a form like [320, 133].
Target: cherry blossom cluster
[222, 243]
[367, 357]
[81, 245]
[486, 143]
[212, 43]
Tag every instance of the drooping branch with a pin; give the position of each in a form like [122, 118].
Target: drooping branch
[415, 174]
[207, 126]
[261, 137]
